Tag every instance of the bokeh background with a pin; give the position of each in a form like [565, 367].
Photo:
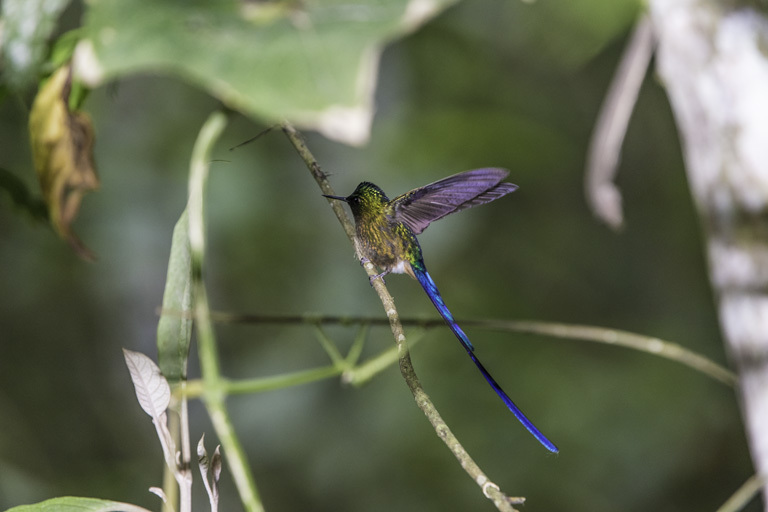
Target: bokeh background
[487, 83]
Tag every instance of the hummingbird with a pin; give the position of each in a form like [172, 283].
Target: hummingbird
[386, 232]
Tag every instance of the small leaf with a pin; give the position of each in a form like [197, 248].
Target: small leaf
[160, 493]
[174, 330]
[63, 48]
[216, 463]
[76, 504]
[212, 467]
[202, 456]
[62, 149]
[152, 390]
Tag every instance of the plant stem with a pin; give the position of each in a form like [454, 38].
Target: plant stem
[196, 388]
[640, 342]
[214, 394]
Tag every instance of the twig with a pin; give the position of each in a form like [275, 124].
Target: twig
[491, 490]
[605, 147]
[648, 344]
[743, 494]
[197, 388]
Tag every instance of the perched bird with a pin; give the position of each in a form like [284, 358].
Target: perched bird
[386, 236]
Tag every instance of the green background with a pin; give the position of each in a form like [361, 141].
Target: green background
[486, 83]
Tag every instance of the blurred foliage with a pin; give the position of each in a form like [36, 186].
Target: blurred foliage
[313, 63]
[27, 26]
[72, 504]
[486, 83]
[21, 196]
[62, 151]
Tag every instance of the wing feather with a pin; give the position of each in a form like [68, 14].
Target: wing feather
[422, 206]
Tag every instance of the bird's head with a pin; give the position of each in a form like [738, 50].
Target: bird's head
[366, 199]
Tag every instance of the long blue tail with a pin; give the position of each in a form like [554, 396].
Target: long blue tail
[434, 295]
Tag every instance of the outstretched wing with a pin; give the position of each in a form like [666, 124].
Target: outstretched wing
[420, 207]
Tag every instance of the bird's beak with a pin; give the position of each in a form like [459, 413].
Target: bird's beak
[339, 198]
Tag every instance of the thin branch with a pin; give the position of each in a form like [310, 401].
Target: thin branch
[186, 455]
[648, 344]
[329, 347]
[351, 374]
[321, 178]
[357, 346]
[197, 388]
[359, 375]
[490, 489]
[170, 485]
[743, 494]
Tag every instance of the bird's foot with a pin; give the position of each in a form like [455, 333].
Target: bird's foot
[371, 279]
[364, 261]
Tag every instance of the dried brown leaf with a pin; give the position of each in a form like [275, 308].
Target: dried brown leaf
[62, 149]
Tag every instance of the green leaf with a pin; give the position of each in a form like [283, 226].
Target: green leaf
[174, 330]
[64, 47]
[311, 63]
[75, 504]
[27, 25]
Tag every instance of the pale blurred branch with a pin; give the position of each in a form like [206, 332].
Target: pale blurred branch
[603, 196]
[743, 495]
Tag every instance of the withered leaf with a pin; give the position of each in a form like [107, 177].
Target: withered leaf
[62, 149]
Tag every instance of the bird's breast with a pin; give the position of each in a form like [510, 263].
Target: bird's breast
[388, 246]
[402, 267]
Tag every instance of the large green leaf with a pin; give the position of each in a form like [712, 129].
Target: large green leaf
[174, 331]
[312, 63]
[75, 504]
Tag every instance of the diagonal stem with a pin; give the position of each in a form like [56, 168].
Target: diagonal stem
[491, 490]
